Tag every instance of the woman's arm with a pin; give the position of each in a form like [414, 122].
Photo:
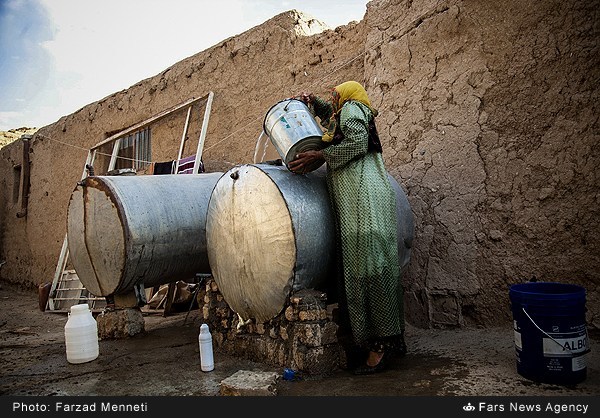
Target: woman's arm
[354, 127]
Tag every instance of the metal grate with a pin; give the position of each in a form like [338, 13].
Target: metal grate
[70, 291]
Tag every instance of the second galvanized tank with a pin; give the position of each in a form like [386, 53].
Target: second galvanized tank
[128, 230]
[270, 232]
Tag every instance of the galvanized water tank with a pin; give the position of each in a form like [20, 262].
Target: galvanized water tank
[129, 230]
[270, 232]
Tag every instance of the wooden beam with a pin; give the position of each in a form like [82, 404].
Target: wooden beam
[183, 139]
[148, 121]
[203, 133]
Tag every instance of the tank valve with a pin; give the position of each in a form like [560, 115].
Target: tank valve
[235, 175]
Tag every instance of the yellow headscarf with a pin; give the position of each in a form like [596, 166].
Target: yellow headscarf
[349, 90]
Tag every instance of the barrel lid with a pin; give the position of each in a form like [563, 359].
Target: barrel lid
[250, 242]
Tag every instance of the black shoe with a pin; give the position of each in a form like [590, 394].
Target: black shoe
[401, 351]
[366, 369]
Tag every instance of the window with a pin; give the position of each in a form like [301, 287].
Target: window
[135, 150]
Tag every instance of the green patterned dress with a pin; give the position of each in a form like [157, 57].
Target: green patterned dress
[364, 203]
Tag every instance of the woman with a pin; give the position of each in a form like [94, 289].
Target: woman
[364, 204]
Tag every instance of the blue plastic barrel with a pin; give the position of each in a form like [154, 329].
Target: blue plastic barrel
[551, 338]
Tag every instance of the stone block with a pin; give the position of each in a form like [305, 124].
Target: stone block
[309, 297]
[248, 383]
[290, 314]
[283, 332]
[120, 323]
[312, 315]
[320, 360]
[316, 334]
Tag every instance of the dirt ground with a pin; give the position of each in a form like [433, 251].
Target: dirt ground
[164, 361]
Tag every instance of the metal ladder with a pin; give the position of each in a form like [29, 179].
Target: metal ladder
[66, 289]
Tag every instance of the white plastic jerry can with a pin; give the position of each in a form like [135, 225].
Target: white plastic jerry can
[81, 335]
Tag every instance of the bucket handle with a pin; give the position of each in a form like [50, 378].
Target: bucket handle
[552, 338]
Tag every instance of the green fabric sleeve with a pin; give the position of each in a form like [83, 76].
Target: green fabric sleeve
[354, 126]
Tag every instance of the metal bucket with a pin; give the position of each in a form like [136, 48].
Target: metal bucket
[292, 129]
[125, 231]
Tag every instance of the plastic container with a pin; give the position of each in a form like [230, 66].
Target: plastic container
[206, 349]
[81, 335]
[551, 338]
[289, 374]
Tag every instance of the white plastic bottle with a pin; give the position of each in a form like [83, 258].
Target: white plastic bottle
[81, 335]
[206, 349]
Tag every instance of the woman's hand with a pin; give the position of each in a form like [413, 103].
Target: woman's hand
[304, 160]
[306, 97]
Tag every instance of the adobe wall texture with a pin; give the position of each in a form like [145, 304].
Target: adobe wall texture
[488, 117]
[491, 119]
